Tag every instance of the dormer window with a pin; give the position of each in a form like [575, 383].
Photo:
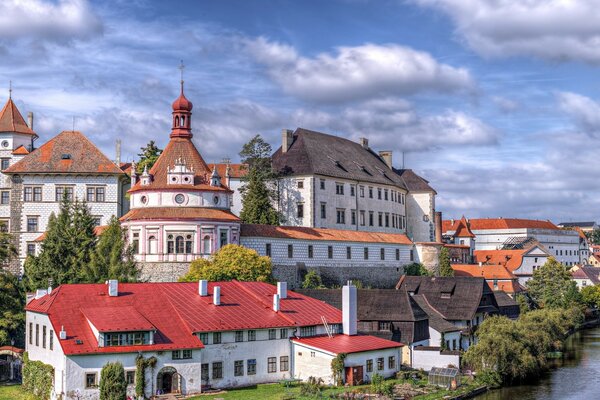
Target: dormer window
[180, 174]
[126, 338]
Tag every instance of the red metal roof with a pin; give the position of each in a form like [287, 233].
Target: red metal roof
[179, 213]
[11, 120]
[117, 319]
[175, 310]
[347, 344]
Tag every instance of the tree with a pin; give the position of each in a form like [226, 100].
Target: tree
[111, 258]
[591, 296]
[594, 236]
[113, 385]
[312, 280]
[148, 156]
[231, 262]
[12, 315]
[416, 269]
[258, 193]
[551, 286]
[445, 268]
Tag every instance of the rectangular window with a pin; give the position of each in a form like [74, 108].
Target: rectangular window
[353, 217]
[251, 335]
[378, 193]
[385, 326]
[371, 217]
[283, 333]
[251, 366]
[362, 217]
[217, 370]
[300, 210]
[300, 184]
[126, 339]
[37, 334]
[130, 377]
[391, 362]
[90, 380]
[385, 194]
[37, 193]
[272, 364]
[176, 355]
[32, 224]
[412, 256]
[329, 251]
[31, 249]
[323, 210]
[339, 188]
[284, 363]
[222, 239]
[380, 364]
[290, 251]
[62, 191]
[216, 337]
[203, 336]
[239, 336]
[370, 192]
[272, 334]
[306, 331]
[387, 220]
[268, 249]
[380, 218]
[5, 163]
[397, 254]
[28, 193]
[366, 253]
[322, 184]
[95, 194]
[382, 253]
[44, 336]
[369, 365]
[352, 190]
[310, 251]
[238, 368]
[341, 216]
[362, 191]
[349, 252]
[51, 340]
[5, 197]
[30, 333]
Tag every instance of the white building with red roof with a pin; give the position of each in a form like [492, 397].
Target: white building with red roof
[205, 334]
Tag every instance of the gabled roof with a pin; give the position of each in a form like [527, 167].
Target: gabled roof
[347, 344]
[69, 152]
[587, 272]
[511, 259]
[462, 229]
[414, 182]
[11, 120]
[482, 224]
[305, 233]
[179, 213]
[322, 154]
[494, 271]
[20, 151]
[175, 310]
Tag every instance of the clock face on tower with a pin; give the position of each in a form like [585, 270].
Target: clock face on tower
[179, 199]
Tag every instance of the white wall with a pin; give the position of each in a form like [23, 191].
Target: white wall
[420, 210]
[426, 359]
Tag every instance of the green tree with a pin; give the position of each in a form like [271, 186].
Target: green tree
[312, 280]
[12, 315]
[591, 296]
[113, 385]
[445, 268]
[148, 156]
[594, 236]
[258, 191]
[111, 258]
[416, 269]
[231, 262]
[552, 286]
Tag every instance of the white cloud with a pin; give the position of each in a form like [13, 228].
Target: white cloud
[360, 72]
[548, 29]
[62, 20]
[584, 111]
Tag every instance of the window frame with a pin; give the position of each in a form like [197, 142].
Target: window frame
[271, 365]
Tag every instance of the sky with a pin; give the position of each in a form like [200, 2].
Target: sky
[495, 102]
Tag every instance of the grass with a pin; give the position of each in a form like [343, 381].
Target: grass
[14, 392]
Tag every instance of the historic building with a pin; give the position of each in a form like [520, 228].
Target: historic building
[34, 180]
[180, 210]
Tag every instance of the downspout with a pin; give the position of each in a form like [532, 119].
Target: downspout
[356, 191]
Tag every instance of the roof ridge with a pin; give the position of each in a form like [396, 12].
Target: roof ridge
[261, 300]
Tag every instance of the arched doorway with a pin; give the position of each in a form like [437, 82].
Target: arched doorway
[168, 381]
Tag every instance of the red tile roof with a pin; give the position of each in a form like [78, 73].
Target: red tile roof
[511, 259]
[304, 233]
[494, 271]
[347, 344]
[11, 120]
[175, 310]
[11, 348]
[20, 151]
[84, 157]
[462, 229]
[235, 170]
[179, 214]
[482, 224]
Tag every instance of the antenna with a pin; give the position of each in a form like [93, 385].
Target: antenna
[73, 124]
[403, 154]
[181, 68]
[10, 89]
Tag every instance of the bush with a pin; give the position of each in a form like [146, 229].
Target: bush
[312, 280]
[377, 383]
[489, 378]
[112, 382]
[37, 377]
[312, 387]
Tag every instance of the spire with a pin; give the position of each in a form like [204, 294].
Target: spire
[11, 119]
[182, 113]
[9, 90]
[215, 178]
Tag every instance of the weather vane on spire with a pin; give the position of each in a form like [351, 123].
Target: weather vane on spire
[9, 89]
[181, 67]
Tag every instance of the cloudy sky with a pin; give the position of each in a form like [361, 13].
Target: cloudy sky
[496, 102]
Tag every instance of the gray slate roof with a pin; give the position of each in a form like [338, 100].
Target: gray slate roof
[413, 182]
[577, 224]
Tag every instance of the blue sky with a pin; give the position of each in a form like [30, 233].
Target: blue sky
[496, 102]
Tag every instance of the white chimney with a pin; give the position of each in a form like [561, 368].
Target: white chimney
[49, 289]
[276, 302]
[203, 287]
[287, 137]
[40, 293]
[113, 288]
[62, 334]
[282, 290]
[217, 295]
[30, 120]
[387, 157]
[349, 314]
[364, 142]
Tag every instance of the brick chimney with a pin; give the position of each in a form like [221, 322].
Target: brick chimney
[287, 137]
[438, 226]
[387, 157]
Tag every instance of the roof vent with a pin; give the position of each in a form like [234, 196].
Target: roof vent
[203, 287]
[217, 295]
[65, 156]
[113, 287]
[62, 334]
[282, 290]
[276, 302]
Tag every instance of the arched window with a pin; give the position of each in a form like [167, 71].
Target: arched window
[170, 244]
[182, 121]
[189, 244]
[206, 245]
[179, 244]
[177, 121]
[152, 245]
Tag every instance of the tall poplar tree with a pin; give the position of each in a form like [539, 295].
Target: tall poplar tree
[445, 268]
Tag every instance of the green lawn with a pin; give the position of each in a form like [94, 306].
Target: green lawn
[14, 392]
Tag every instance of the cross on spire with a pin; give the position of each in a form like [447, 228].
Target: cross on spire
[9, 89]
[181, 68]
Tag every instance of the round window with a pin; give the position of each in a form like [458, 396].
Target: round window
[179, 199]
[144, 199]
[216, 199]
[5, 143]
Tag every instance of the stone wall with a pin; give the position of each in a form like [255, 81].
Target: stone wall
[162, 272]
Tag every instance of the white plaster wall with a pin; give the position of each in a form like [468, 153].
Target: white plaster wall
[420, 210]
[236, 184]
[426, 359]
[212, 199]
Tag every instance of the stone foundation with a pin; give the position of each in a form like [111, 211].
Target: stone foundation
[162, 272]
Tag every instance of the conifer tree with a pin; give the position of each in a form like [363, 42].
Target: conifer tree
[12, 316]
[445, 268]
[148, 156]
[111, 258]
[113, 385]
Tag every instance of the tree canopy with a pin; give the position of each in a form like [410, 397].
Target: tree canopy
[416, 269]
[551, 286]
[591, 296]
[148, 156]
[12, 315]
[231, 262]
[445, 268]
[312, 280]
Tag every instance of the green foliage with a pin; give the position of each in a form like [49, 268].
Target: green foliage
[140, 376]
[591, 296]
[489, 378]
[111, 258]
[12, 315]
[231, 262]
[37, 377]
[312, 387]
[7, 249]
[551, 286]
[594, 236]
[445, 268]
[258, 192]
[148, 156]
[312, 280]
[113, 385]
[524, 302]
[67, 247]
[337, 368]
[509, 351]
[416, 269]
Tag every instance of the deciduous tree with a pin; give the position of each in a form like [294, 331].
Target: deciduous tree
[591, 296]
[312, 280]
[416, 269]
[552, 286]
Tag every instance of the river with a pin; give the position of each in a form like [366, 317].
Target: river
[577, 375]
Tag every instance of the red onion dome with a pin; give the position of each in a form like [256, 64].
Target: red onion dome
[182, 104]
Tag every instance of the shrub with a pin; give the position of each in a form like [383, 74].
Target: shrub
[312, 280]
[312, 387]
[37, 377]
[112, 382]
[377, 383]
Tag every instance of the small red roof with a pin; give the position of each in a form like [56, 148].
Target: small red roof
[117, 319]
[304, 233]
[20, 151]
[482, 224]
[12, 348]
[495, 271]
[179, 214]
[235, 170]
[462, 229]
[11, 120]
[347, 344]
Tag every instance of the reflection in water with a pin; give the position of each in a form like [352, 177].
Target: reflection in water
[575, 378]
